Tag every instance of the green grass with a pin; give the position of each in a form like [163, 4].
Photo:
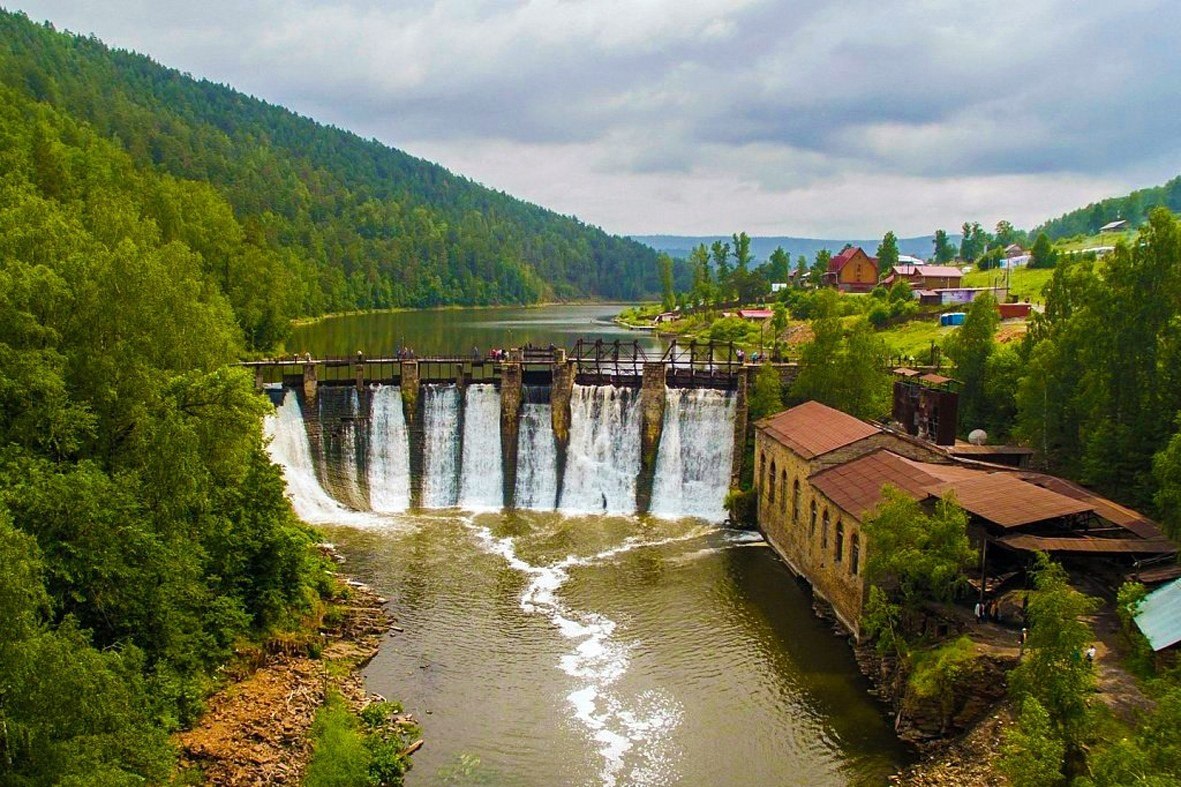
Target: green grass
[1025, 283]
[339, 757]
[1078, 243]
[914, 338]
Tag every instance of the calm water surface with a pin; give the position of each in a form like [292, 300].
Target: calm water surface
[457, 331]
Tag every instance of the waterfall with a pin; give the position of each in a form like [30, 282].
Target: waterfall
[440, 428]
[339, 409]
[389, 452]
[695, 455]
[537, 457]
[290, 449]
[482, 483]
[603, 457]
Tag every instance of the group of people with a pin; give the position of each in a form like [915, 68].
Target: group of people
[495, 354]
[990, 611]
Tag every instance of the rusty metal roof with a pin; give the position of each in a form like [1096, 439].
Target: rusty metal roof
[1087, 545]
[1006, 500]
[857, 486]
[1000, 498]
[1113, 512]
[812, 429]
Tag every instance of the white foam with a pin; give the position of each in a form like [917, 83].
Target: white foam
[287, 443]
[598, 660]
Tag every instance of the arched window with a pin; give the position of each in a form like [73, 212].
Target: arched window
[783, 491]
[824, 532]
[855, 555]
[812, 522]
[795, 501]
[771, 484]
[840, 547]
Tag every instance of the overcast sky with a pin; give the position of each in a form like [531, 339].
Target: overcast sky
[817, 117]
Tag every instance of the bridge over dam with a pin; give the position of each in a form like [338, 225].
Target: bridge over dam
[602, 427]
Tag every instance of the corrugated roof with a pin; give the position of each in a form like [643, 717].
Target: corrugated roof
[945, 271]
[1006, 500]
[1085, 544]
[857, 486]
[1160, 616]
[1113, 512]
[967, 449]
[812, 428]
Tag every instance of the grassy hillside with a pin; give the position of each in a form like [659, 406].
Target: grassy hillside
[1025, 283]
[1134, 207]
[355, 223]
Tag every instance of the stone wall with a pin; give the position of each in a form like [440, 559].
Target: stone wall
[652, 402]
[802, 525]
[511, 394]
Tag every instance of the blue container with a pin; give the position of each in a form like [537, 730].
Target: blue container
[952, 318]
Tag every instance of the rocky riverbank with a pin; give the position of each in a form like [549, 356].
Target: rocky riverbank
[256, 730]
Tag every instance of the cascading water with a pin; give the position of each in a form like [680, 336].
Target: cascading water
[389, 452]
[290, 449]
[695, 455]
[537, 457]
[339, 410]
[603, 456]
[440, 428]
[482, 482]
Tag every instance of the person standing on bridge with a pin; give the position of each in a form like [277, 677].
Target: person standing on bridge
[475, 353]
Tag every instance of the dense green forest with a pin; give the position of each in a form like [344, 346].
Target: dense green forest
[1134, 207]
[143, 529]
[325, 220]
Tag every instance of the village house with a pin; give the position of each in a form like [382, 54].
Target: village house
[950, 296]
[852, 271]
[820, 472]
[925, 277]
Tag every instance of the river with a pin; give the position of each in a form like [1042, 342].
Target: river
[542, 648]
[457, 331]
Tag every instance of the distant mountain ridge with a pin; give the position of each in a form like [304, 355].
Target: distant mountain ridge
[922, 246]
[357, 224]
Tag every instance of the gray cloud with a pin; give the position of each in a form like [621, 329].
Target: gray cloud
[809, 117]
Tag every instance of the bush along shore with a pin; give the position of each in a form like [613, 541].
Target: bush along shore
[295, 710]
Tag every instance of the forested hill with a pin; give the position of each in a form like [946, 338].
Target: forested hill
[355, 224]
[1134, 207]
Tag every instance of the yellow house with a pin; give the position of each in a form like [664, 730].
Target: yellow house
[852, 271]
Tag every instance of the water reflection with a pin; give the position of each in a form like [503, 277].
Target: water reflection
[459, 331]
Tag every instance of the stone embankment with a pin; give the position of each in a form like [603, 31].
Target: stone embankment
[255, 731]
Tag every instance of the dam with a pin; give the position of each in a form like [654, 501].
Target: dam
[598, 432]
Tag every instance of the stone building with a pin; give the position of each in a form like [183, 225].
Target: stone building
[816, 537]
[819, 472]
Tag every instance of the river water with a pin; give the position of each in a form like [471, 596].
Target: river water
[457, 331]
[549, 648]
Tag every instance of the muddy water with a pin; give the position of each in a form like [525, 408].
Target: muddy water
[548, 650]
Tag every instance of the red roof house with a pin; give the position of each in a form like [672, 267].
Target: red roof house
[852, 271]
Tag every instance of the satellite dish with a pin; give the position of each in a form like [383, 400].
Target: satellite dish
[978, 437]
